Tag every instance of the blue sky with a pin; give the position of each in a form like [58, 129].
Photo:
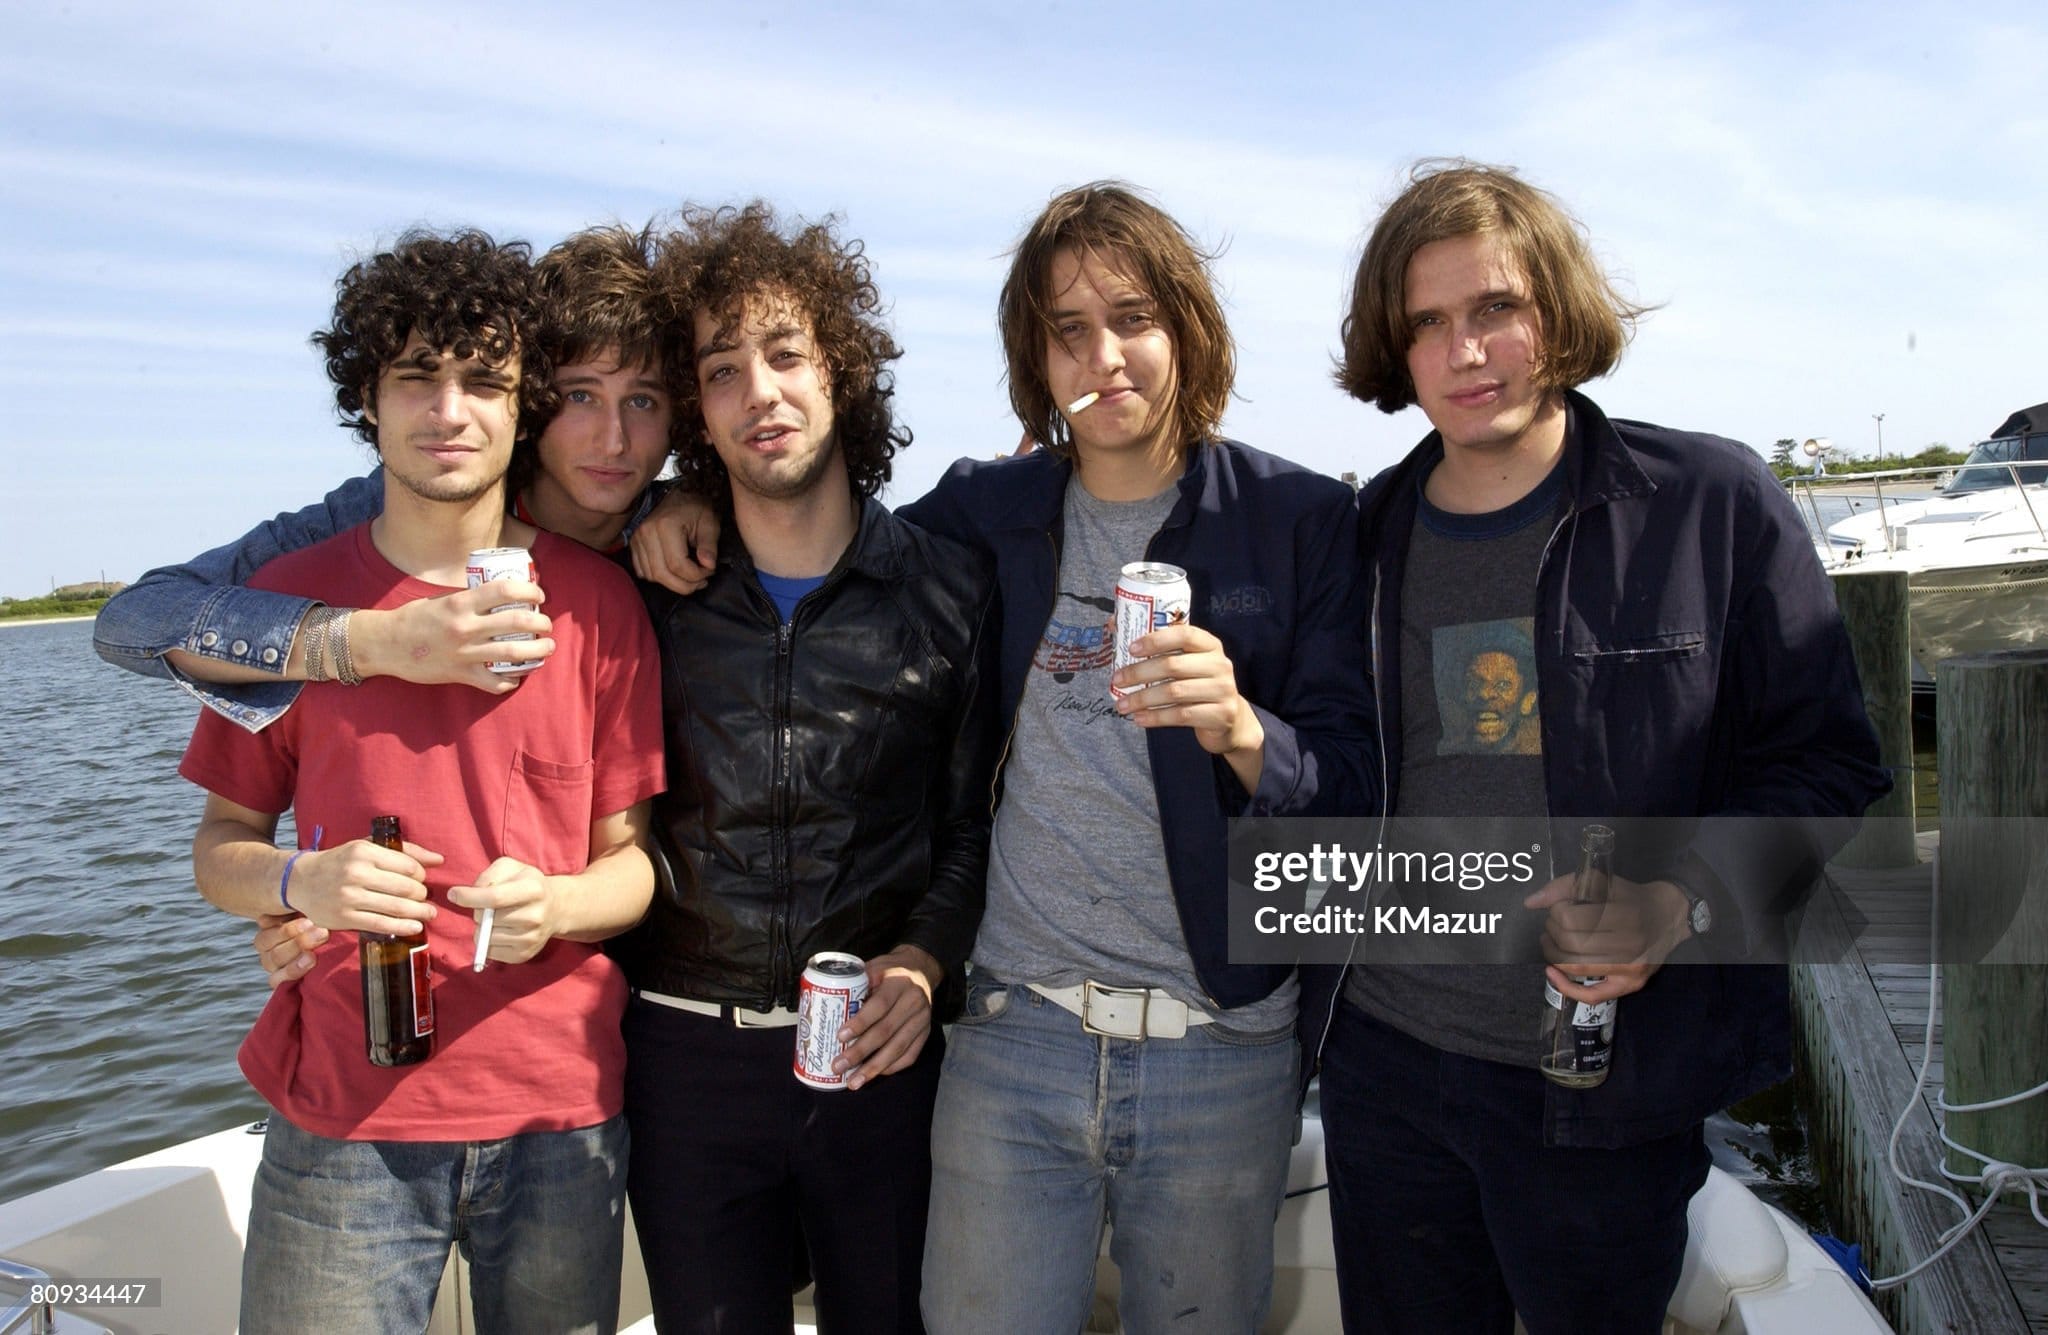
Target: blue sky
[1840, 208]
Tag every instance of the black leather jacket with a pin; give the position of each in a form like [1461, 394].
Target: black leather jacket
[829, 779]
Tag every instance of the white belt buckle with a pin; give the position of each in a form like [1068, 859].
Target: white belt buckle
[1114, 1012]
[779, 1018]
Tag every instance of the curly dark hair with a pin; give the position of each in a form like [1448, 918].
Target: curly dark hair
[1135, 237]
[717, 260]
[461, 292]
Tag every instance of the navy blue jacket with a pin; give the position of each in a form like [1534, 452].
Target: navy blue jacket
[1690, 662]
[1270, 552]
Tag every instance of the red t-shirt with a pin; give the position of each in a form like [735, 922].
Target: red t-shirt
[518, 1047]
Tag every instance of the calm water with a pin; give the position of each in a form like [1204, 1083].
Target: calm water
[125, 993]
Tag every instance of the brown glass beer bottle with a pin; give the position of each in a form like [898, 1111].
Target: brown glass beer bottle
[398, 995]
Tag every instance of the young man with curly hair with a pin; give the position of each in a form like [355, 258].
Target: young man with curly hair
[830, 740]
[599, 408]
[1661, 643]
[1110, 1060]
[509, 1138]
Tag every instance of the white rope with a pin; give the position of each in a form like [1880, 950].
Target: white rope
[1997, 1177]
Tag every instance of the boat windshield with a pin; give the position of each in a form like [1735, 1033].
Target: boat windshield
[2031, 451]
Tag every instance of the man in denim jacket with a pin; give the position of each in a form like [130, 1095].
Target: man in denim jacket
[604, 434]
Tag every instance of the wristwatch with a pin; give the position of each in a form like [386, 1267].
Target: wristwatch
[1700, 913]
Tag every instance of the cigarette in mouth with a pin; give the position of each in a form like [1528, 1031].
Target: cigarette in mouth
[1085, 401]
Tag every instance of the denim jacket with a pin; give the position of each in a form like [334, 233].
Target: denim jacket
[200, 607]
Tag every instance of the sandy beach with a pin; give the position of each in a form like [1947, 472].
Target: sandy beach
[43, 621]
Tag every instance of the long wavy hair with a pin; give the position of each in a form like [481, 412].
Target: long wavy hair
[1135, 237]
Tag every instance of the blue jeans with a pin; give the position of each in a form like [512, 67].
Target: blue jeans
[1451, 1214]
[352, 1235]
[1043, 1130]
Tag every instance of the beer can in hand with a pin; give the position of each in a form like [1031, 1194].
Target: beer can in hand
[491, 563]
[1149, 595]
[830, 994]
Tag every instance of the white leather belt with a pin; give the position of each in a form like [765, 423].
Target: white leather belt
[1125, 1012]
[742, 1018]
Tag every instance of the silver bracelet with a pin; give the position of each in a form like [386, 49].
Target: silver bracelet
[344, 661]
[314, 631]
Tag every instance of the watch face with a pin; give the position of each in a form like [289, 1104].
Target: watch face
[1702, 917]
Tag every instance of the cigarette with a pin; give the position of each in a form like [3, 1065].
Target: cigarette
[483, 939]
[1085, 401]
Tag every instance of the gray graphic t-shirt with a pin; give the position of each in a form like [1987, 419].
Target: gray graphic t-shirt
[1472, 748]
[1077, 884]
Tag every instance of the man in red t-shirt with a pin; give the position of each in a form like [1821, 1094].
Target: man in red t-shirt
[531, 804]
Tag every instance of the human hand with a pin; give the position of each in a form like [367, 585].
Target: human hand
[676, 546]
[285, 943]
[522, 904]
[895, 1020]
[450, 639]
[1619, 944]
[1185, 680]
[364, 887]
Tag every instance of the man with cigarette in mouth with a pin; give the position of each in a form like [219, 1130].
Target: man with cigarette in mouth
[508, 1138]
[1110, 1060]
[1574, 618]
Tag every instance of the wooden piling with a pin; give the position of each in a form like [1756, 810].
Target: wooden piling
[1991, 914]
[1873, 605]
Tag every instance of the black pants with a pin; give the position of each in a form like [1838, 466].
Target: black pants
[734, 1159]
[1450, 1213]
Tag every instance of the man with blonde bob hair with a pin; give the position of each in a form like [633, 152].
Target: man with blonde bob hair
[1688, 661]
[1587, 321]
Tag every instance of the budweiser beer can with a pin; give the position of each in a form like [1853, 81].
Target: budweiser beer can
[1149, 594]
[829, 995]
[491, 563]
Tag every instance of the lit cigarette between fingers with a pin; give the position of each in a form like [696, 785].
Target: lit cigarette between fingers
[1083, 402]
[483, 939]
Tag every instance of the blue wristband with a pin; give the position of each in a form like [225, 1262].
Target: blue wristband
[286, 879]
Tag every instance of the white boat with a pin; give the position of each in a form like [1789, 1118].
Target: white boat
[1972, 540]
[177, 1217]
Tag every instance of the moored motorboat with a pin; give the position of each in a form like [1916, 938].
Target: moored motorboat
[1972, 540]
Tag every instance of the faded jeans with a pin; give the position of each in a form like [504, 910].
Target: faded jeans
[352, 1235]
[1043, 1132]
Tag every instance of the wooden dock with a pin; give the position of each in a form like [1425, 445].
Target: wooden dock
[1861, 1026]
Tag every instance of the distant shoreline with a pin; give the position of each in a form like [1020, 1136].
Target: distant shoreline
[45, 621]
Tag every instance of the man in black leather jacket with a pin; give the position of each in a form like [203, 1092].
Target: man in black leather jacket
[830, 748]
